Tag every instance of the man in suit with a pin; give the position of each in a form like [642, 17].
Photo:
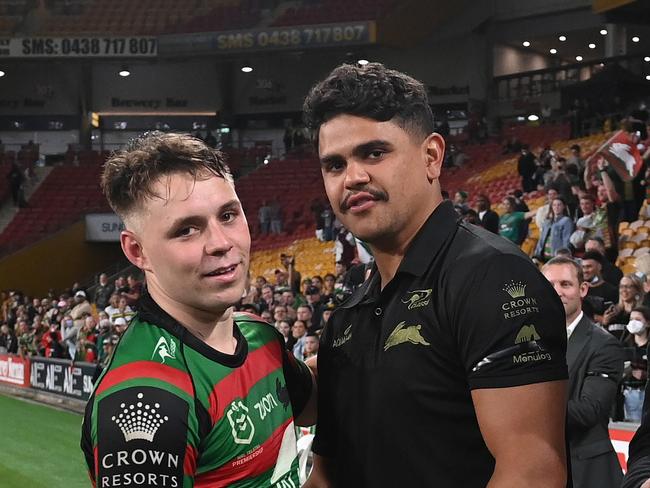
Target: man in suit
[595, 359]
[489, 218]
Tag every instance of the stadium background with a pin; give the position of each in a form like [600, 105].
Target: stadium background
[79, 78]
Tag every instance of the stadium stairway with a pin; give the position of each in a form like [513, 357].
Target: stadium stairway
[7, 210]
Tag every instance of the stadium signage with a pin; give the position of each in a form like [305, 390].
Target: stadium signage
[272, 38]
[14, 370]
[63, 378]
[105, 227]
[70, 47]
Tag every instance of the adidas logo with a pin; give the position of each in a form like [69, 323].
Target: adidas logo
[139, 420]
[515, 289]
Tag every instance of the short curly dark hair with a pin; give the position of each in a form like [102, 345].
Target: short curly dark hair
[372, 91]
[129, 174]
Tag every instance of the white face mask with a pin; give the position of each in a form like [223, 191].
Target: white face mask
[635, 326]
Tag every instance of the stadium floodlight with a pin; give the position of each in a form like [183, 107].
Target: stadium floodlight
[2, 73]
[526, 43]
[636, 39]
[562, 38]
[362, 62]
[533, 118]
[603, 32]
[124, 72]
[647, 59]
[647, 77]
[592, 45]
[247, 69]
[578, 58]
[552, 51]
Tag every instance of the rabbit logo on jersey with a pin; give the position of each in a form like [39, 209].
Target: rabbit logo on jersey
[140, 444]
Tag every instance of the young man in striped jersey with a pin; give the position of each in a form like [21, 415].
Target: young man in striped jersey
[194, 395]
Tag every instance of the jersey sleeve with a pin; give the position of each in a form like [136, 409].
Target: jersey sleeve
[510, 325]
[139, 435]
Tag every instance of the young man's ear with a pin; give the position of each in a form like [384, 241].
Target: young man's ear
[133, 249]
[434, 146]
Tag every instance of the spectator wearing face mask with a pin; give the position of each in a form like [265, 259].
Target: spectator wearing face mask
[636, 374]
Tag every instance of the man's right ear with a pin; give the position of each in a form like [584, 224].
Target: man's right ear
[132, 248]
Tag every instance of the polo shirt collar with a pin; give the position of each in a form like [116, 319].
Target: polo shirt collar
[423, 249]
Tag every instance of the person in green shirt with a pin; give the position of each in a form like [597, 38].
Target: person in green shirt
[510, 222]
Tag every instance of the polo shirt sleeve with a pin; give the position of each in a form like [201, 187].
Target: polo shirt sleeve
[510, 325]
[325, 441]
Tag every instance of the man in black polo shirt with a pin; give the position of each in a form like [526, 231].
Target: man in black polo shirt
[447, 367]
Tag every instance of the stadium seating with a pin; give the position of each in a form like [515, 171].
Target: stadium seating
[68, 193]
[312, 258]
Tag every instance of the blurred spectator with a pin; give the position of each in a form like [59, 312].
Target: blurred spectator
[135, 290]
[289, 263]
[575, 159]
[556, 232]
[305, 314]
[124, 311]
[510, 223]
[266, 316]
[120, 325]
[610, 273]
[285, 329]
[460, 201]
[630, 296]
[82, 307]
[299, 331]
[264, 217]
[558, 178]
[636, 374]
[26, 344]
[488, 218]
[16, 180]
[310, 348]
[279, 315]
[544, 213]
[526, 169]
[103, 292]
[587, 225]
[471, 217]
[605, 293]
[121, 285]
[8, 340]
[315, 301]
[112, 307]
[328, 290]
[275, 216]
[52, 342]
[327, 216]
[266, 301]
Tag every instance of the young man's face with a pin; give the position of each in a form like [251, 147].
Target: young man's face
[311, 344]
[194, 243]
[586, 206]
[378, 177]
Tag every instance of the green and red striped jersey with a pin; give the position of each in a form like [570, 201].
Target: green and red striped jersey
[170, 411]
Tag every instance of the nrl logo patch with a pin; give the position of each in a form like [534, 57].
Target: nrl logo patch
[418, 298]
[403, 334]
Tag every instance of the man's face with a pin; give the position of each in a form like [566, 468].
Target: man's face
[266, 316]
[195, 243]
[267, 293]
[313, 298]
[280, 313]
[564, 279]
[122, 303]
[284, 328]
[551, 195]
[482, 204]
[298, 330]
[103, 279]
[590, 268]
[378, 177]
[586, 206]
[288, 298]
[114, 300]
[303, 313]
[340, 269]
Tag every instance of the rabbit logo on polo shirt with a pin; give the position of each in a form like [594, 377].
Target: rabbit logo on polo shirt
[132, 451]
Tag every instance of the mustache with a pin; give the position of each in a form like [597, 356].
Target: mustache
[376, 194]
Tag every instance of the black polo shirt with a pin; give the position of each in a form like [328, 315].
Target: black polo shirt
[466, 310]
